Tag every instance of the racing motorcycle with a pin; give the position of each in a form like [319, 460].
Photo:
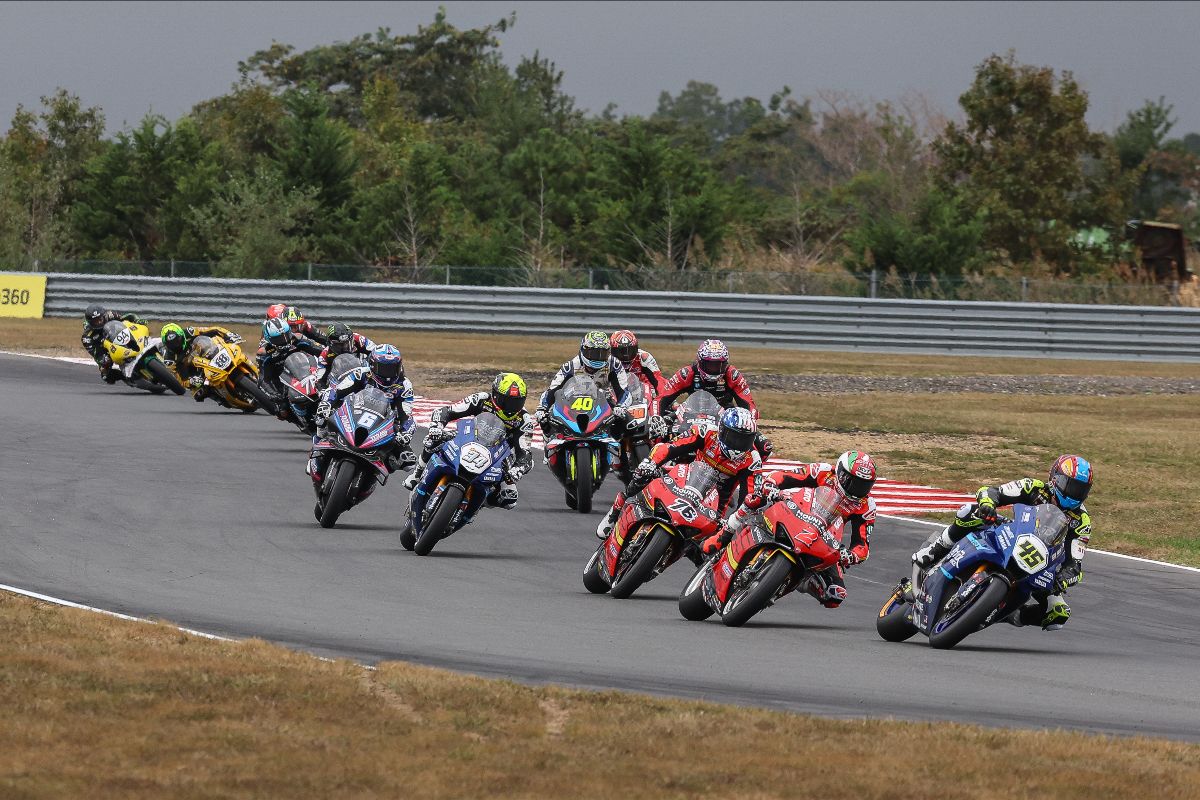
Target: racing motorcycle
[580, 450]
[231, 378]
[700, 409]
[136, 354]
[342, 365]
[641, 405]
[457, 479]
[356, 441]
[986, 578]
[780, 548]
[662, 523]
[298, 380]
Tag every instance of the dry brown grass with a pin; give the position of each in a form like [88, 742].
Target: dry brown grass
[529, 353]
[103, 708]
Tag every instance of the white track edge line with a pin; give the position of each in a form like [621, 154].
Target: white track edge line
[71, 360]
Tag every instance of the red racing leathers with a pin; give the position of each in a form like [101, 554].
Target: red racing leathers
[829, 587]
[645, 366]
[730, 389]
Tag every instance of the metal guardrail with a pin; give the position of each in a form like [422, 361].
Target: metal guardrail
[796, 322]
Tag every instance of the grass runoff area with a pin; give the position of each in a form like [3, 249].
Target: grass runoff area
[1145, 447]
[105, 708]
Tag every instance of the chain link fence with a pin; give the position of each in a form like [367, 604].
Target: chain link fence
[874, 284]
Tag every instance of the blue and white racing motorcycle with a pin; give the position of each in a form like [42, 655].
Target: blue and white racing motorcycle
[355, 441]
[986, 578]
[458, 478]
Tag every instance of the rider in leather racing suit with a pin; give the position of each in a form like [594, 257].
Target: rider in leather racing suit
[596, 361]
[853, 478]
[278, 342]
[386, 371]
[729, 450]
[1069, 484]
[340, 340]
[507, 401]
[712, 372]
[95, 317]
[177, 343]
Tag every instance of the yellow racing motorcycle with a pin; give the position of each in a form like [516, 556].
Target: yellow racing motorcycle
[231, 379]
[136, 354]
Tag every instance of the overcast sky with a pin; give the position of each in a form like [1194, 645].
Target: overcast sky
[130, 57]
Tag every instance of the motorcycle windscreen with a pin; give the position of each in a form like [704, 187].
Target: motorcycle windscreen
[342, 364]
[1051, 525]
[117, 333]
[205, 346]
[701, 404]
[373, 417]
[299, 365]
[489, 430]
[825, 507]
[582, 402]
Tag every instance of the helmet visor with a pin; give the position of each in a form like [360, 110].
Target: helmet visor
[713, 367]
[854, 486]
[736, 440]
[509, 404]
[1071, 488]
[387, 372]
[594, 357]
[625, 353]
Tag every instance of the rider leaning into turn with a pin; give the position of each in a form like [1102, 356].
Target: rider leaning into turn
[385, 370]
[729, 450]
[1069, 484]
[95, 317]
[177, 343]
[341, 340]
[711, 372]
[596, 361]
[852, 478]
[507, 401]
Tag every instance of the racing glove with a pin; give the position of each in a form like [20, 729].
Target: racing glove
[507, 497]
[985, 509]
[656, 427]
[646, 471]
[541, 416]
[324, 409]
[436, 435]
[1068, 576]
[848, 558]
[234, 338]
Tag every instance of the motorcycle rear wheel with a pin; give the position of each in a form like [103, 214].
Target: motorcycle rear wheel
[593, 581]
[968, 621]
[583, 481]
[692, 604]
[759, 592]
[438, 526]
[339, 495]
[643, 564]
[891, 624]
[162, 374]
[407, 539]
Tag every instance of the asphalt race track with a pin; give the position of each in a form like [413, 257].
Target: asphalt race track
[162, 507]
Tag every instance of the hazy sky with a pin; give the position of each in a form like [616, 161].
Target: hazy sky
[130, 57]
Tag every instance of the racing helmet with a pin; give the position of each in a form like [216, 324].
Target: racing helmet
[96, 315]
[736, 430]
[295, 319]
[277, 333]
[594, 350]
[175, 339]
[1070, 480]
[340, 337]
[387, 365]
[712, 359]
[508, 395]
[624, 346]
[276, 310]
[855, 475]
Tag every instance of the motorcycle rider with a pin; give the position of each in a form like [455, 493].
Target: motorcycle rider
[1070, 481]
[340, 340]
[729, 450]
[712, 372]
[640, 365]
[177, 343]
[385, 370]
[853, 477]
[596, 361]
[95, 317]
[507, 401]
[302, 327]
[278, 342]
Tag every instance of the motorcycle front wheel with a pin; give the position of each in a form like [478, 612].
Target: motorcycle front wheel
[753, 598]
[969, 619]
[251, 389]
[583, 480]
[162, 374]
[438, 525]
[338, 499]
[645, 560]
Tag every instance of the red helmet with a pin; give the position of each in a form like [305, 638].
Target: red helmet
[624, 346]
[276, 310]
[855, 475]
[295, 319]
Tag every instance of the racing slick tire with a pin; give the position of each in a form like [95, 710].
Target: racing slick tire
[438, 526]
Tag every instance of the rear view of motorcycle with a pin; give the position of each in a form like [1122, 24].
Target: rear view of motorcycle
[579, 449]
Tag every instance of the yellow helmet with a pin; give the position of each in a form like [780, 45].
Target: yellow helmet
[508, 395]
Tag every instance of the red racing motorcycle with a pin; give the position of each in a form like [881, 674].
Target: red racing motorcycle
[780, 547]
[666, 520]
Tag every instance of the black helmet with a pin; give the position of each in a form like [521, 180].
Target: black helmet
[96, 315]
[340, 337]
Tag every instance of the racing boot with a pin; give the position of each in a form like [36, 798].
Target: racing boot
[829, 595]
[1057, 613]
[934, 552]
[414, 477]
[606, 523]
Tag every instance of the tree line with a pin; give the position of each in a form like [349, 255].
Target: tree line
[425, 149]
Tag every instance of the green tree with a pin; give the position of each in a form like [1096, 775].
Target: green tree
[1019, 158]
